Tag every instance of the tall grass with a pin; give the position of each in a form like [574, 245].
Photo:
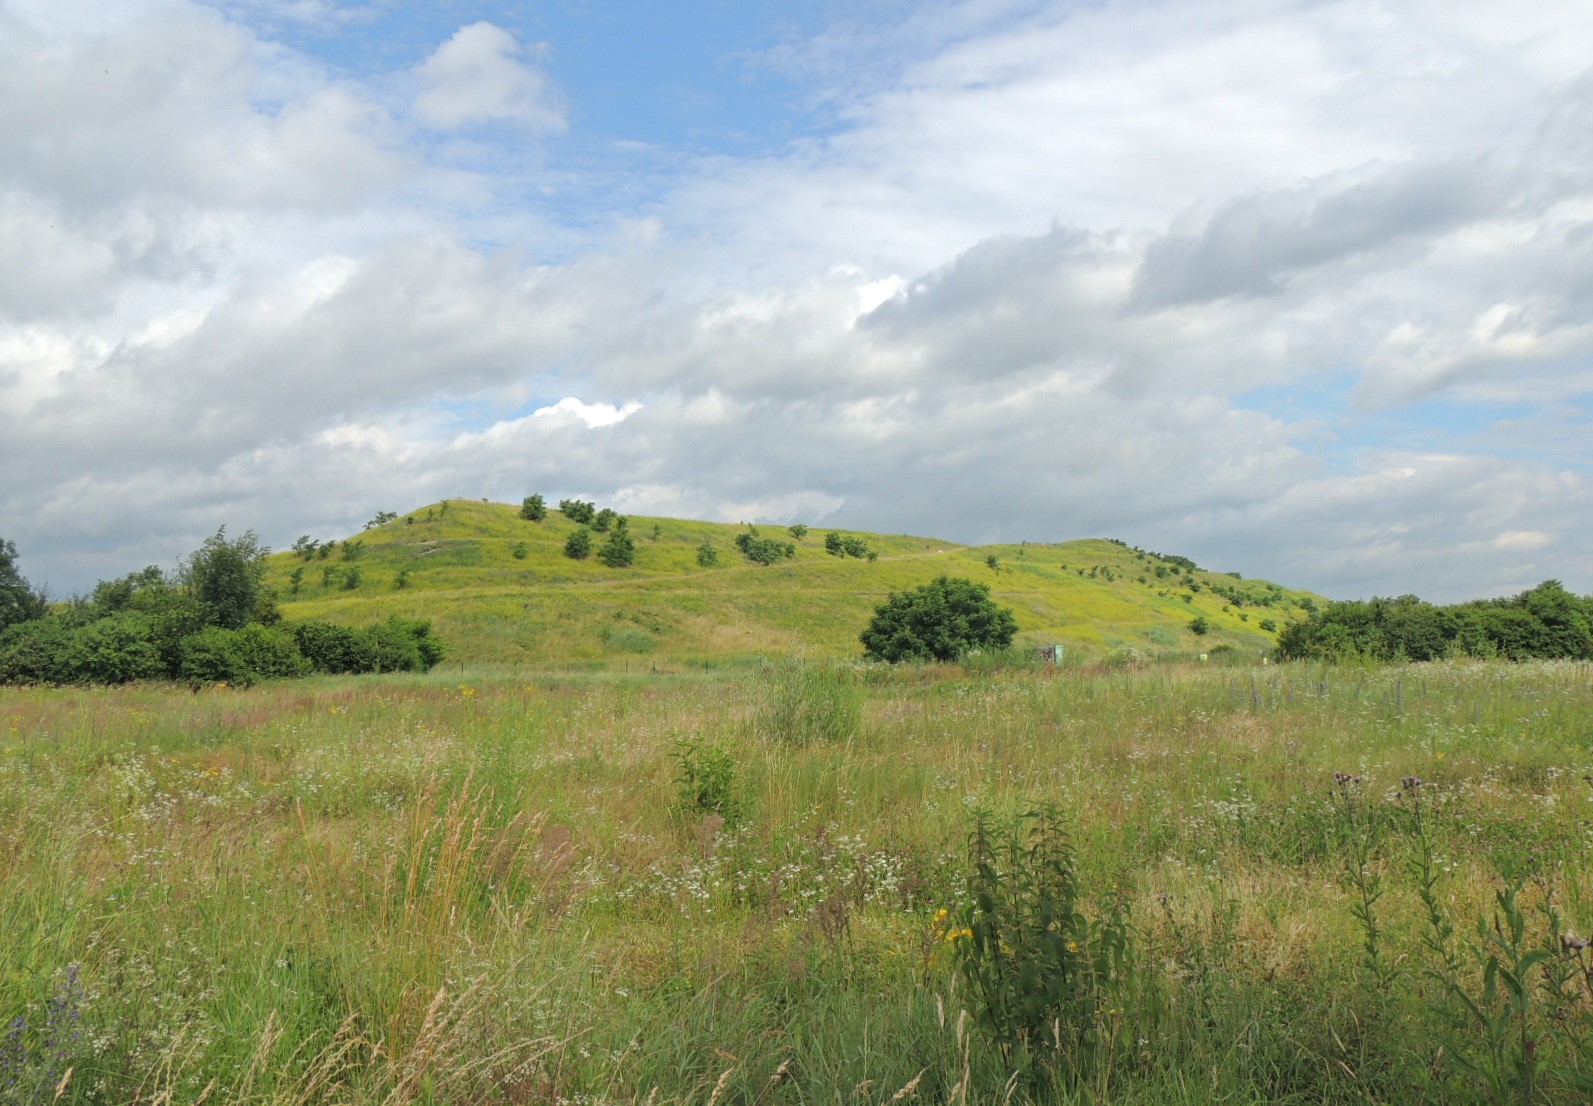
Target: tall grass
[487, 887]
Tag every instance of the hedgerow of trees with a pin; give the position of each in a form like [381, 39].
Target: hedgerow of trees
[1544, 622]
[210, 621]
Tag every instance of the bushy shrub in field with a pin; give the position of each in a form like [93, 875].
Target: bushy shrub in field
[942, 620]
[533, 508]
[334, 649]
[114, 650]
[707, 555]
[33, 652]
[243, 656]
[396, 645]
[604, 520]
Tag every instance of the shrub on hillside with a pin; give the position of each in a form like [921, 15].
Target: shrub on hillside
[604, 520]
[577, 511]
[578, 546]
[944, 619]
[837, 546]
[763, 551]
[533, 508]
[619, 551]
[707, 555]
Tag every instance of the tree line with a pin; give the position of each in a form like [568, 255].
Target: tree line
[1545, 622]
[211, 621]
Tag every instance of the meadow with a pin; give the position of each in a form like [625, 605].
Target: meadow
[758, 884]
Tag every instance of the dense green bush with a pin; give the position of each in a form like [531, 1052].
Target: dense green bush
[334, 649]
[619, 551]
[533, 508]
[225, 575]
[397, 645]
[577, 510]
[578, 546]
[763, 551]
[241, 657]
[942, 620]
[148, 626]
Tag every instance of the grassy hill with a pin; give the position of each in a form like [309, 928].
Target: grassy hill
[500, 590]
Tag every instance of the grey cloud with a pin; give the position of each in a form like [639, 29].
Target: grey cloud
[1257, 245]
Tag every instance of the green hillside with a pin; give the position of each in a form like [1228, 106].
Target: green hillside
[455, 563]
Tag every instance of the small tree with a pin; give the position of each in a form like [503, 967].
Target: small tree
[707, 555]
[604, 519]
[533, 508]
[797, 530]
[19, 602]
[1199, 626]
[578, 546]
[225, 575]
[619, 551]
[942, 620]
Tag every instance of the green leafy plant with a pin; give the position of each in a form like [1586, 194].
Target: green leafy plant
[1043, 978]
[1199, 625]
[533, 508]
[707, 555]
[705, 781]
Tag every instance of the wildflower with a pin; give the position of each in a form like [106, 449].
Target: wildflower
[1073, 946]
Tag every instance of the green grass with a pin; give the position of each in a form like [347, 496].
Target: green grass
[488, 887]
[545, 609]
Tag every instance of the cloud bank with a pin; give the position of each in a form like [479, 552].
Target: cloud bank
[1297, 290]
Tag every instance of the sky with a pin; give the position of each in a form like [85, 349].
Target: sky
[1298, 289]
